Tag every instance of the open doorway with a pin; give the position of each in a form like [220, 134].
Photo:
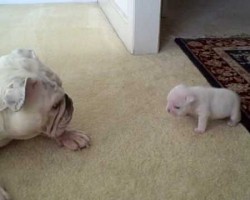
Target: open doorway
[202, 18]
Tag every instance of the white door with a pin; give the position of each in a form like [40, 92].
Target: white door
[137, 23]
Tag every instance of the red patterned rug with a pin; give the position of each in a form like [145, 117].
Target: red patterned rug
[224, 62]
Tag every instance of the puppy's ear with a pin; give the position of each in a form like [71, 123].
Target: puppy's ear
[27, 53]
[13, 96]
[190, 98]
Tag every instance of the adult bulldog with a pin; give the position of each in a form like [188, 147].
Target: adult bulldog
[33, 102]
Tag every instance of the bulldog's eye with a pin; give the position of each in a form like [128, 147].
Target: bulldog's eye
[177, 107]
[55, 106]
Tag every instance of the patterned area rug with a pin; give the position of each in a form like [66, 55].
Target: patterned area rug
[225, 62]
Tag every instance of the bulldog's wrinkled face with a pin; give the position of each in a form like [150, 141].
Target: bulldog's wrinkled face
[48, 99]
[33, 101]
[179, 101]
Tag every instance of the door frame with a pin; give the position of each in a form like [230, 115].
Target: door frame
[139, 29]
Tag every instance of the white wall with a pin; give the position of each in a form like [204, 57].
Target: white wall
[137, 23]
[123, 24]
[44, 1]
[123, 5]
[147, 26]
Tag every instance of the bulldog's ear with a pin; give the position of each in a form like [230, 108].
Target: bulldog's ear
[13, 96]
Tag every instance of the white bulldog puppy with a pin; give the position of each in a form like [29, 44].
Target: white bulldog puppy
[33, 102]
[205, 103]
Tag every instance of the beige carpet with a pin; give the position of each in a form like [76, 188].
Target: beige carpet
[138, 151]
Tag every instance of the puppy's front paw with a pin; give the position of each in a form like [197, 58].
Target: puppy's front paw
[73, 140]
[3, 194]
[198, 130]
[232, 123]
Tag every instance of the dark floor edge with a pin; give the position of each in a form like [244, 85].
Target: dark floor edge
[181, 42]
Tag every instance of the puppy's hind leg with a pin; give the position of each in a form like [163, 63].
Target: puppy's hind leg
[235, 116]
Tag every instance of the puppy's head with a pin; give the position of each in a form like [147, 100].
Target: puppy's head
[179, 100]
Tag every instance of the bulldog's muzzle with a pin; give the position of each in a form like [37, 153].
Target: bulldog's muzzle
[60, 117]
[69, 104]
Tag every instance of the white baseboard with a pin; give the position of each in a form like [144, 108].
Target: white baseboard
[45, 1]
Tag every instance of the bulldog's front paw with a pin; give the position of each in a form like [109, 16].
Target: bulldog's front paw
[73, 140]
[3, 194]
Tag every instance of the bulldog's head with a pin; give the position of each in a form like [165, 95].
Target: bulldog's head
[33, 100]
[54, 105]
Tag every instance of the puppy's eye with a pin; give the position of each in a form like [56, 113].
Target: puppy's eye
[177, 107]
